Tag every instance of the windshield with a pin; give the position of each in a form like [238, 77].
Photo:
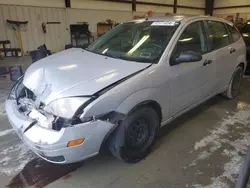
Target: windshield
[133, 41]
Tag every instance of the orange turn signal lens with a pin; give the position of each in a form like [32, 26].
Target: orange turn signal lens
[75, 142]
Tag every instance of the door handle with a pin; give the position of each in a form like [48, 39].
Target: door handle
[207, 62]
[232, 50]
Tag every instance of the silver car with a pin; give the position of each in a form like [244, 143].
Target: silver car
[119, 92]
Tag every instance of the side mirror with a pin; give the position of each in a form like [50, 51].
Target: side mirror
[186, 57]
[189, 56]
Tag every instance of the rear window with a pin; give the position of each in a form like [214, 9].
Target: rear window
[218, 34]
[234, 33]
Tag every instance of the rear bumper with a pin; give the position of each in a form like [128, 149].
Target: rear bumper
[51, 145]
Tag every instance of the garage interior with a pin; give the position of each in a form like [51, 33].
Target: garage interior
[203, 148]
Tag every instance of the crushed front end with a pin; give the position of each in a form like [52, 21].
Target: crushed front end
[53, 138]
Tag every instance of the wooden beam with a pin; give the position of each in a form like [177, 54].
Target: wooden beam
[68, 3]
[237, 6]
[209, 7]
[175, 7]
[133, 5]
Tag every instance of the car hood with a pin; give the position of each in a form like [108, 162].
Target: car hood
[76, 72]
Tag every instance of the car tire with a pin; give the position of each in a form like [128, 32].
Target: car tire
[235, 84]
[135, 135]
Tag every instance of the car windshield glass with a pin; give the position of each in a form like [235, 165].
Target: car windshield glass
[136, 41]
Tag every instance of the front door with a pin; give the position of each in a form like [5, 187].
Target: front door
[191, 82]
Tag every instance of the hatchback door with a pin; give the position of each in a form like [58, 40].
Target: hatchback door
[223, 53]
[191, 82]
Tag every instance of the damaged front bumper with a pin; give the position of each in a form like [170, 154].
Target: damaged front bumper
[51, 145]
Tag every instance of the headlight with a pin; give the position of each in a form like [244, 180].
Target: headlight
[65, 107]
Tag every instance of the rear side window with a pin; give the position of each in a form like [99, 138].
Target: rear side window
[218, 34]
[234, 33]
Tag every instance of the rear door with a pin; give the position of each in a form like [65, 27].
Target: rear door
[222, 51]
[191, 81]
[237, 47]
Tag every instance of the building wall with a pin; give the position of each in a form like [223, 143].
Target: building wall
[225, 3]
[32, 33]
[41, 3]
[244, 11]
[194, 3]
[92, 11]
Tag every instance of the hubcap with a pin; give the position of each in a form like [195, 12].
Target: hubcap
[138, 134]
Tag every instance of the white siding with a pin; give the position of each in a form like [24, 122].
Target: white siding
[192, 3]
[244, 12]
[32, 34]
[190, 11]
[100, 5]
[225, 3]
[40, 3]
[155, 9]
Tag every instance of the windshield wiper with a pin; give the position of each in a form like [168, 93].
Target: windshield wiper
[111, 55]
[139, 59]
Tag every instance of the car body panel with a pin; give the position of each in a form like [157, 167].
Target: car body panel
[149, 84]
[50, 143]
[76, 72]
[185, 88]
[176, 89]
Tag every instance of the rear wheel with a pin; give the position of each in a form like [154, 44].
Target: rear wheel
[236, 81]
[135, 135]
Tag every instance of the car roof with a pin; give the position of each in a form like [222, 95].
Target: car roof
[181, 17]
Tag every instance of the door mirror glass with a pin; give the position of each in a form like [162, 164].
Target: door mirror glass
[188, 56]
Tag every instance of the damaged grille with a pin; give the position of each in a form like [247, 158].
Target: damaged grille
[27, 100]
[29, 105]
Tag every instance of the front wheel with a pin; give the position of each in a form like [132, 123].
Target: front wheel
[233, 89]
[132, 140]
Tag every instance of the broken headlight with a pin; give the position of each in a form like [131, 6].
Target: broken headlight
[66, 107]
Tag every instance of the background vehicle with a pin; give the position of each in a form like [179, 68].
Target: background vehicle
[245, 31]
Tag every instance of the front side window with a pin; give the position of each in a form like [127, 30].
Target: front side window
[234, 33]
[136, 41]
[218, 34]
[192, 39]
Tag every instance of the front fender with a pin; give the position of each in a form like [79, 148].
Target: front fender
[139, 97]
